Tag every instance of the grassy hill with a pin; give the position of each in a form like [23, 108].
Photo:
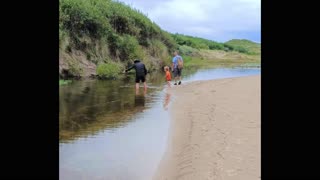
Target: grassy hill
[251, 47]
[201, 43]
[103, 32]
[102, 37]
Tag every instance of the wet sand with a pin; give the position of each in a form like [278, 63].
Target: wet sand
[215, 131]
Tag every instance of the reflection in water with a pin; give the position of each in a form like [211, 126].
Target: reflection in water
[87, 107]
[86, 90]
[139, 100]
[166, 100]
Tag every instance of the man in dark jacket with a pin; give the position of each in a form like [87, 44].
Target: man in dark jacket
[141, 73]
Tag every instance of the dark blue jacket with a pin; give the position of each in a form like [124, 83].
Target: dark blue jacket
[139, 67]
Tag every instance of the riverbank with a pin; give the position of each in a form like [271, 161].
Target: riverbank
[215, 131]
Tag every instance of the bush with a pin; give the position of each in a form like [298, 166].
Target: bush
[64, 82]
[240, 49]
[158, 49]
[129, 48]
[80, 17]
[187, 50]
[109, 70]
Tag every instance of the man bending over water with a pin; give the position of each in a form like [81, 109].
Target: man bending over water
[141, 73]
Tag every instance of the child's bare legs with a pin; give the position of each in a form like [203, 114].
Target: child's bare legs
[169, 84]
[137, 87]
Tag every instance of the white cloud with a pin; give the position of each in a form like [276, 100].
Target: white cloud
[218, 20]
[179, 10]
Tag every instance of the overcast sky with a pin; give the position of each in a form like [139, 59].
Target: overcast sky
[218, 20]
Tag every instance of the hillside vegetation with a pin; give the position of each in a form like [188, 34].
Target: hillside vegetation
[102, 37]
[249, 46]
[200, 43]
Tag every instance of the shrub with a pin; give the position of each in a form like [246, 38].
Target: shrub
[109, 70]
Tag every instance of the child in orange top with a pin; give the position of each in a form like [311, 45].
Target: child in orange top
[168, 75]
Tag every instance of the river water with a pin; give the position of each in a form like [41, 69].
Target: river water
[108, 131]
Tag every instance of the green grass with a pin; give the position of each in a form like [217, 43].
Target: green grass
[249, 46]
[64, 82]
[109, 70]
[96, 30]
[114, 23]
[214, 58]
[201, 63]
[201, 43]
[196, 42]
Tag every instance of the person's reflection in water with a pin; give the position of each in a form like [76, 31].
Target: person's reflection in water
[86, 90]
[166, 100]
[138, 92]
[139, 100]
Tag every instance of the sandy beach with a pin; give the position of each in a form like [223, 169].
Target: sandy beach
[215, 131]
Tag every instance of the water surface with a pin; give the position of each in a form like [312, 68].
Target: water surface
[107, 131]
